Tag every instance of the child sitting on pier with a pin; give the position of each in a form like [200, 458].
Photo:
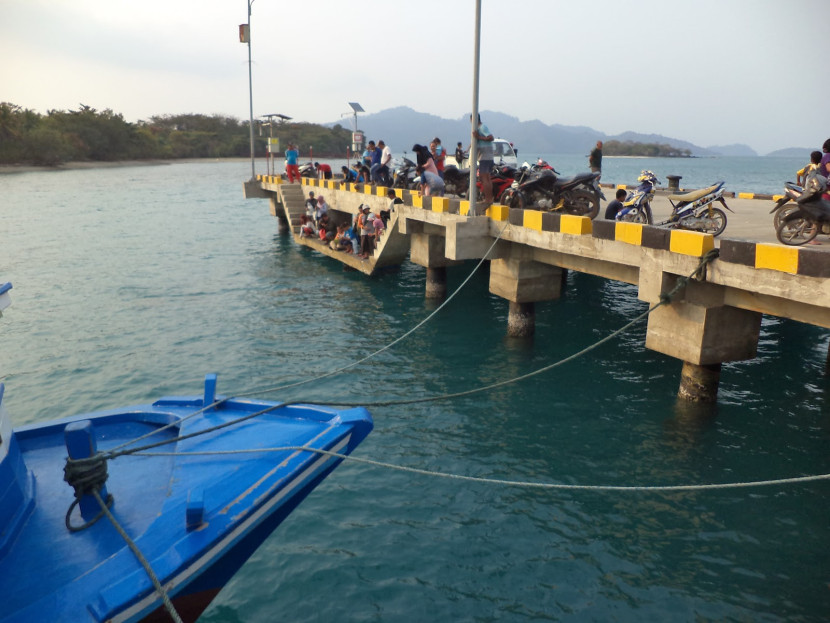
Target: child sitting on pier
[307, 227]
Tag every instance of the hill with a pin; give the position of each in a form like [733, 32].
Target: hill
[402, 127]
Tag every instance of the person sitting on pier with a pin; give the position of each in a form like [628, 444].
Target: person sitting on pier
[431, 184]
[342, 240]
[307, 227]
[327, 229]
[320, 209]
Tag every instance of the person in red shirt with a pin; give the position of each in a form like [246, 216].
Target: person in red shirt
[323, 171]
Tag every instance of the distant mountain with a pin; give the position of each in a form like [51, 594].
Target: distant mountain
[733, 150]
[793, 152]
[402, 127]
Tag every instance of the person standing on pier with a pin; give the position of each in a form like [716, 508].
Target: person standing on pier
[595, 159]
[385, 164]
[292, 158]
[459, 154]
[485, 160]
[824, 164]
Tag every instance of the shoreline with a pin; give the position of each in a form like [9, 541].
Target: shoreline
[80, 165]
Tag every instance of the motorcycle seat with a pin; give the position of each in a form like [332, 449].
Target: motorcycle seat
[695, 194]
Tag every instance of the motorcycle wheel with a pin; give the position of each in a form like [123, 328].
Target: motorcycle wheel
[513, 199]
[796, 231]
[781, 214]
[583, 203]
[635, 216]
[717, 223]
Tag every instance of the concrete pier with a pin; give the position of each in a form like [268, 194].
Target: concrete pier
[714, 318]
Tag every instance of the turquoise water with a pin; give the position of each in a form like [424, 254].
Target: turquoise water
[133, 283]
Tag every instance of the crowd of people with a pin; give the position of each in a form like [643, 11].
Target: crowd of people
[360, 236]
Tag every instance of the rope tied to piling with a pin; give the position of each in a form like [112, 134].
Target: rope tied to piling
[699, 274]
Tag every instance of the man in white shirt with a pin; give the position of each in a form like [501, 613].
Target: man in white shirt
[382, 174]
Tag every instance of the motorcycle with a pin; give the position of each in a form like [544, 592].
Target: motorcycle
[637, 204]
[694, 211]
[792, 192]
[456, 181]
[308, 170]
[540, 188]
[810, 217]
[405, 175]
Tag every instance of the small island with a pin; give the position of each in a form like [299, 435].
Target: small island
[643, 150]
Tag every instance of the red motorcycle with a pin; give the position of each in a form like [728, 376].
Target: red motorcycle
[502, 178]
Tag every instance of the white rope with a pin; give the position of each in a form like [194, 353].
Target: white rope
[511, 483]
[269, 390]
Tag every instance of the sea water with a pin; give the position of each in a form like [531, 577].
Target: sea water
[132, 283]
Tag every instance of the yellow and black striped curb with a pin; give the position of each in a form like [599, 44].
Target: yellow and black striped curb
[794, 260]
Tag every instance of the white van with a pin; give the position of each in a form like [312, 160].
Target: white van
[503, 153]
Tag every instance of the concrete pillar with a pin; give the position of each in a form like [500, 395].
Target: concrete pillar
[436, 287]
[521, 319]
[699, 383]
[284, 226]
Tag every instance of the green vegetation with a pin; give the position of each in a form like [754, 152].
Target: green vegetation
[27, 137]
[650, 150]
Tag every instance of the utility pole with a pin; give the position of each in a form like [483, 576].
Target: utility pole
[245, 37]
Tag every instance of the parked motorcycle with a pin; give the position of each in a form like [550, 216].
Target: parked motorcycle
[782, 207]
[456, 181]
[308, 170]
[695, 211]
[811, 216]
[404, 176]
[637, 205]
[540, 188]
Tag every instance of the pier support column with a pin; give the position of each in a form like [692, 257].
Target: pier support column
[699, 383]
[436, 287]
[700, 330]
[523, 282]
[521, 319]
[427, 250]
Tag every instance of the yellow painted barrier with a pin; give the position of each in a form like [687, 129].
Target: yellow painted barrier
[464, 207]
[368, 189]
[382, 191]
[632, 233]
[399, 193]
[691, 242]
[498, 212]
[532, 219]
[776, 257]
[440, 204]
[746, 195]
[417, 201]
[577, 225]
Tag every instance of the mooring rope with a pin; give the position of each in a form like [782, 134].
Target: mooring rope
[509, 483]
[269, 390]
[165, 598]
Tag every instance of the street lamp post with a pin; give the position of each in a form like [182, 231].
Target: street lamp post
[245, 37]
[474, 117]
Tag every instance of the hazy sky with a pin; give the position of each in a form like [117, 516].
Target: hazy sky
[713, 72]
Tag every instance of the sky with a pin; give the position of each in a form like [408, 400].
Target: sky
[712, 72]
